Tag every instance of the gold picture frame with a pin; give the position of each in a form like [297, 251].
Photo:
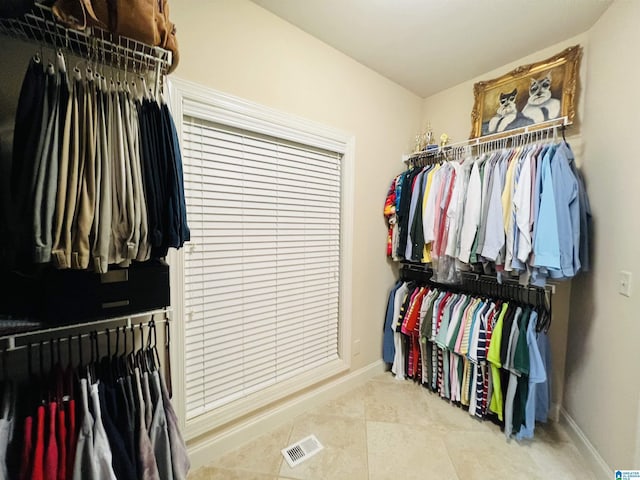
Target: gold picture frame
[530, 94]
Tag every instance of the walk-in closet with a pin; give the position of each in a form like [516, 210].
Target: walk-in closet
[274, 239]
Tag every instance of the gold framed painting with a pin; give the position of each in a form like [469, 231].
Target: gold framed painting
[530, 94]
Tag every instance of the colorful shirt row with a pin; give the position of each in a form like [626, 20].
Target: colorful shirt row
[521, 211]
[484, 354]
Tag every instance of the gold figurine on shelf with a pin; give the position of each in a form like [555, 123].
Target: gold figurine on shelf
[418, 146]
[424, 139]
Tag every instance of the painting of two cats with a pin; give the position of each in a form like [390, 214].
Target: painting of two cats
[529, 95]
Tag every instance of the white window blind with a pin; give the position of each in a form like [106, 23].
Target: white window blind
[262, 270]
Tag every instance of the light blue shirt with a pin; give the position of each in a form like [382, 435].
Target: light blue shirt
[537, 374]
[543, 389]
[546, 244]
[565, 187]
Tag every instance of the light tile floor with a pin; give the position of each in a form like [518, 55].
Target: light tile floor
[388, 429]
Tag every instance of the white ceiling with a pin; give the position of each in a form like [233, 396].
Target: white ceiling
[430, 45]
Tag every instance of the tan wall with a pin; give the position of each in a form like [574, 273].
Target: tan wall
[602, 387]
[239, 48]
[450, 111]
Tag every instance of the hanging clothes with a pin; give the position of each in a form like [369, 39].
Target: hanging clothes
[518, 212]
[7, 424]
[480, 352]
[96, 172]
[127, 428]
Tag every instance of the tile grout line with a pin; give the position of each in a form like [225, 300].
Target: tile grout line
[287, 442]
[446, 447]
[366, 444]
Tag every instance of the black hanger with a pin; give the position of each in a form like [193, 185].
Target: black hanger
[53, 386]
[80, 368]
[33, 397]
[156, 354]
[167, 355]
[70, 352]
[29, 361]
[131, 364]
[105, 361]
[150, 360]
[549, 306]
[140, 354]
[70, 373]
[91, 366]
[115, 371]
[40, 357]
[43, 393]
[122, 359]
[5, 372]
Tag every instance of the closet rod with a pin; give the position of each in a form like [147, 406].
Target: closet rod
[21, 340]
[551, 288]
[494, 137]
[41, 27]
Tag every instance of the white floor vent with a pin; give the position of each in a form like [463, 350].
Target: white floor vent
[300, 451]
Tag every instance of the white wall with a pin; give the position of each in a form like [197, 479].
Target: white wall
[602, 386]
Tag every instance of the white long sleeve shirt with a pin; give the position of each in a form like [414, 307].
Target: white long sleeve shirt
[471, 217]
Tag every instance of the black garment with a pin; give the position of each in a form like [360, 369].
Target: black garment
[162, 178]
[26, 136]
[506, 332]
[403, 213]
[150, 173]
[521, 363]
[161, 143]
[126, 420]
[5, 233]
[177, 229]
[507, 323]
[405, 306]
[417, 232]
[15, 8]
[124, 466]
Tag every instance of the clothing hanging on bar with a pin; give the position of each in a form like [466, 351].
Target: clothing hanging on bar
[488, 354]
[520, 211]
[96, 176]
[110, 418]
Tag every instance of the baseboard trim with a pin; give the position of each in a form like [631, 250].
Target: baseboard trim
[597, 464]
[205, 451]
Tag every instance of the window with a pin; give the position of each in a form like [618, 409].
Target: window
[262, 282]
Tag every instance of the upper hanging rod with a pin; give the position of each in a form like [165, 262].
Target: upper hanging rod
[494, 137]
[40, 26]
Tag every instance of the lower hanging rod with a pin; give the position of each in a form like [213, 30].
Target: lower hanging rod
[20, 340]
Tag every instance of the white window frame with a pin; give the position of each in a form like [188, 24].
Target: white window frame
[191, 99]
